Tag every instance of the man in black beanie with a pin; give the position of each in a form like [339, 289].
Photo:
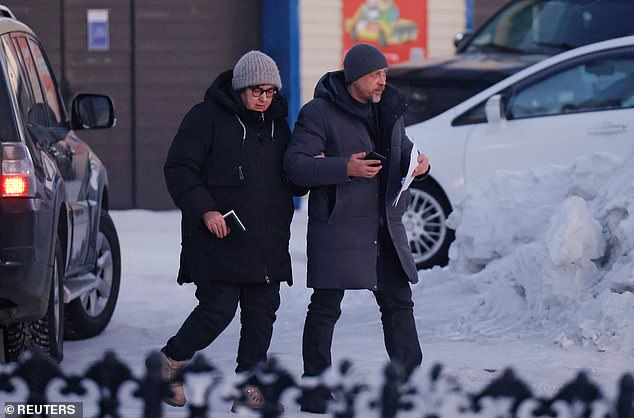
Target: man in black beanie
[356, 239]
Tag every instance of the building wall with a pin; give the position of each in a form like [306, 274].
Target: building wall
[446, 19]
[180, 48]
[108, 72]
[320, 41]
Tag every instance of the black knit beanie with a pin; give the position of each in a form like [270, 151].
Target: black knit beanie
[362, 59]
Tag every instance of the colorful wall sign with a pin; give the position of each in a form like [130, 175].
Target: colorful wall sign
[397, 27]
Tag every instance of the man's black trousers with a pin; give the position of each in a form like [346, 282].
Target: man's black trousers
[394, 298]
[217, 304]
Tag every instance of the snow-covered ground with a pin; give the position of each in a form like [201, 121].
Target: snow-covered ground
[541, 279]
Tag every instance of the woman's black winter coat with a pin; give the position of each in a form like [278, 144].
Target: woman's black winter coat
[226, 157]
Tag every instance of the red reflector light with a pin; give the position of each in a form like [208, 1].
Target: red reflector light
[14, 186]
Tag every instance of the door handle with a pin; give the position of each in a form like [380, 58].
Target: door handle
[608, 129]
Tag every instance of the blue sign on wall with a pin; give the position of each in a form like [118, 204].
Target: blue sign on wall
[98, 30]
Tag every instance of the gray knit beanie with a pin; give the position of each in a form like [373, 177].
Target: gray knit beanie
[253, 69]
[362, 59]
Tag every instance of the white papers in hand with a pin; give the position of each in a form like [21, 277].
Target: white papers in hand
[407, 180]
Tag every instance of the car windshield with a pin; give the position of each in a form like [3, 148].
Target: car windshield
[551, 26]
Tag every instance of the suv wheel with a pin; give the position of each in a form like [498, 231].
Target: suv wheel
[48, 332]
[90, 313]
[425, 222]
[16, 340]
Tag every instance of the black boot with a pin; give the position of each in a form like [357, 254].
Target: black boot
[315, 400]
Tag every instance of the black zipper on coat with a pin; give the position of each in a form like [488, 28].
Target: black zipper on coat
[266, 276]
[240, 173]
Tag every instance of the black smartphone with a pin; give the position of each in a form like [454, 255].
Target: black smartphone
[372, 155]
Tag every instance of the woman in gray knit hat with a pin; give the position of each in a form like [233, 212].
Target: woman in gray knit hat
[227, 156]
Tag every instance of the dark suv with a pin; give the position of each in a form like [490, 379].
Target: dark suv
[522, 33]
[59, 252]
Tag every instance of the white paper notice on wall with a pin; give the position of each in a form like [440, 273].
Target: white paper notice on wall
[98, 29]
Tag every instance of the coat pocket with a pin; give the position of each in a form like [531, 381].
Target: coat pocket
[356, 199]
[318, 204]
[228, 175]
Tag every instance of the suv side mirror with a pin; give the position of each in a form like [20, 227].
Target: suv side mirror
[494, 109]
[460, 37]
[92, 111]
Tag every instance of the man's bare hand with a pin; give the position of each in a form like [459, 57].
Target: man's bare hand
[216, 223]
[358, 167]
[423, 165]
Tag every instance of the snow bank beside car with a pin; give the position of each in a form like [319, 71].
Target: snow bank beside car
[546, 251]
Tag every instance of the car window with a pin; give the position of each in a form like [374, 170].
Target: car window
[17, 79]
[474, 115]
[601, 83]
[29, 65]
[40, 113]
[19, 88]
[7, 123]
[47, 83]
[551, 26]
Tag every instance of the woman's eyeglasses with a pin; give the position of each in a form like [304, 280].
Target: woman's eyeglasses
[258, 91]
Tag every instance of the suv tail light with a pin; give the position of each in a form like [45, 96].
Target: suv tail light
[17, 178]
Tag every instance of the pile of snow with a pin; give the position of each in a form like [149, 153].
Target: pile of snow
[545, 252]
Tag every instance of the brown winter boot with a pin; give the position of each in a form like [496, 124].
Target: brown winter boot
[253, 399]
[169, 371]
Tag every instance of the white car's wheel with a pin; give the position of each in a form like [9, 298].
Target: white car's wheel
[425, 223]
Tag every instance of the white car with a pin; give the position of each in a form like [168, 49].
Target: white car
[576, 103]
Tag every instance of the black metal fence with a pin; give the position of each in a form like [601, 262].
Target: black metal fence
[436, 395]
